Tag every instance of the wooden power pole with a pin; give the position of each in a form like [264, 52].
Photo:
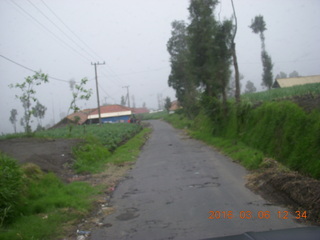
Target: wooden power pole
[97, 88]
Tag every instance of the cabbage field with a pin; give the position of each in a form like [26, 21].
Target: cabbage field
[109, 135]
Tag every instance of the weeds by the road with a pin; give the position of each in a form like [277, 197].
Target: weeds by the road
[46, 206]
[43, 203]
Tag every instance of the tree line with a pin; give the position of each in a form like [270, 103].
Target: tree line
[202, 54]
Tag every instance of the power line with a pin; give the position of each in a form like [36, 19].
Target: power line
[20, 65]
[84, 43]
[53, 34]
[63, 32]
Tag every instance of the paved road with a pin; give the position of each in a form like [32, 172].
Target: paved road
[174, 185]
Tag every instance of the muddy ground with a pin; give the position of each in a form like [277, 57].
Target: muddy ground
[50, 155]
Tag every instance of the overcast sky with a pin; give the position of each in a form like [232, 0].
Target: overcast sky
[63, 38]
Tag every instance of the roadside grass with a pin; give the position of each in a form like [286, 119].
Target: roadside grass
[202, 127]
[47, 207]
[284, 93]
[45, 203]
[130, 151]
[155, 115]
[277, 130]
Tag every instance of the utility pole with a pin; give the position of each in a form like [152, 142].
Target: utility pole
[95, 70]
[128, 96]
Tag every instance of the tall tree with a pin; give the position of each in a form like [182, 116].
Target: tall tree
[39, 111]
[28, 97]
[222, 56]
[167, 104]
[13, 119]
[258, 26]
[123, 101]
[281, 75]
[79, 92]
[234, 57]
[180, 78]
[250, 88]
[200, 32]
[294, 74]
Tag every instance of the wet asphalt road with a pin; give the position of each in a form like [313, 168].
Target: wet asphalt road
[175, 184]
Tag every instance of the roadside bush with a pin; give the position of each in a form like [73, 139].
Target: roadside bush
[10, 188]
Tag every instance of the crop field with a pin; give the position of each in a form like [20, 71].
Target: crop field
[282, 93]
[109, 135]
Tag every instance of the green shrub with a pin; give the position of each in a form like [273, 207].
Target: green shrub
[10, 188]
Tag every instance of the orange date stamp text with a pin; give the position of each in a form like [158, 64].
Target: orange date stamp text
[257, 215]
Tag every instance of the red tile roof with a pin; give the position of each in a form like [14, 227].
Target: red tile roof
[110, 109]
[82, 114]
[139, 110]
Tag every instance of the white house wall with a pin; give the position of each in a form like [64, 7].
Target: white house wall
[113, 114]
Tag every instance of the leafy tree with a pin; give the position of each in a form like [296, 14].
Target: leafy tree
[39, 111]
[167, 104]
[27, 97]
[281, 75]
[13, 119]
[250, 88]
[78, 93]
[200, 34]
[123, 101]
[180, 78]
[267, 76]
[294, 74]
[144, 105]
[222, 56]
[258, 26]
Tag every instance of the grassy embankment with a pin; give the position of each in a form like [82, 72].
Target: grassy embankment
[275, 129]
[35, 205]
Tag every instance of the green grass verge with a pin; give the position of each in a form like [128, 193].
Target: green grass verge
[46, 205]
[131, 150]
[283, 93]
[151, 116]
[92, 156]
[278, 130]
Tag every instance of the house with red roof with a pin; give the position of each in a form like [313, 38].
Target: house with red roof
[110, 114]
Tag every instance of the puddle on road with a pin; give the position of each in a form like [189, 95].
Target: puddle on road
[130, 213]
[204, 185]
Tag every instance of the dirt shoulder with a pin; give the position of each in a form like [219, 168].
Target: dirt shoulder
[287, 188]
[50, 155]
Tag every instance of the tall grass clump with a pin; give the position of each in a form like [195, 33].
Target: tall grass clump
[10, 188]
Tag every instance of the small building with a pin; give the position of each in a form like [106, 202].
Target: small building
[110, 114]
[289, 82]
[77, 118]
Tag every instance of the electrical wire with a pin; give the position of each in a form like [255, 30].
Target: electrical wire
[70, 30]
[63, 32]
[52, 33]
[20, 65]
